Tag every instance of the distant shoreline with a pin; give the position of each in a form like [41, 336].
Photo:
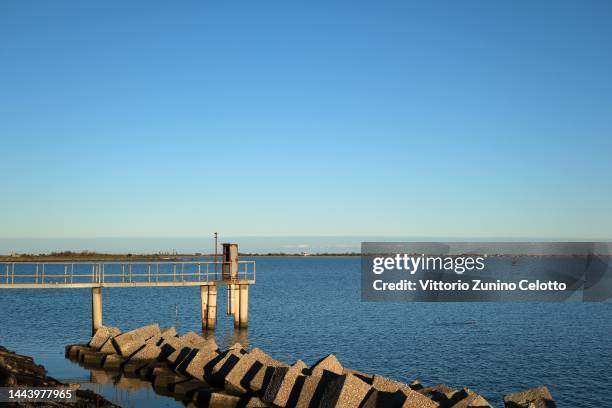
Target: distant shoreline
[94, 256]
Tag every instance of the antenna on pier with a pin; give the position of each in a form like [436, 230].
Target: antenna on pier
[216, 237]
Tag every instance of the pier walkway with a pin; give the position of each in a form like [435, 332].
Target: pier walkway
[208, 275]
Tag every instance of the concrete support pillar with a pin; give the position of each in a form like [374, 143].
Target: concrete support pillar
[96, 309]
[208, 300]
[241, 315]
[244, 305]
[231, 299]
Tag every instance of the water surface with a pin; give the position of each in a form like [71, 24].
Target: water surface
[307, 307]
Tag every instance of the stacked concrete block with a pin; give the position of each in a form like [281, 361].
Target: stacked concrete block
[109, 346]
[102, 334]
[129, 342]
[191, 368]
[282, 383]
[329, 363]
[440, 393]
[538, 397]
[466, 398]
[196, 366]
[72, 351]
[113, 362]
[259, 376]
[237, 379]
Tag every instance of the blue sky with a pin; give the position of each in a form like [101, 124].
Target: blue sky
[276, 118]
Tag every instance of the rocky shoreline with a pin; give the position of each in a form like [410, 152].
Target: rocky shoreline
[17, 370]
[195, 371]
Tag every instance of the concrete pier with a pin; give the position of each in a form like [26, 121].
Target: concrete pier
[208, 299]
[96, 309]
[95, 275]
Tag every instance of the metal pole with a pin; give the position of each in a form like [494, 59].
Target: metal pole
[216, 236]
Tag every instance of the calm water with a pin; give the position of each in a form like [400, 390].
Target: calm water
[307, 307]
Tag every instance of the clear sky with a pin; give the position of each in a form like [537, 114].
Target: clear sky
[277, 118]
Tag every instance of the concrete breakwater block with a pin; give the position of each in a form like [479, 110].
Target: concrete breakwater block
[538, 397]
[329, 389]
[440, 393]
[341, 391]
[129, 342]
[313, 387]
[196, 366]
[256, 380]
[329, 363]
[216, 376]
[92, 358]
[102, 335]
[466, 398]
[391, 390]
[191, 368]
[72, 350]
[109, 346]
[224, 400]
[369, 378]
[384, 399]
[113, 362]
[280, 386]
[237, 379]
[447, 397]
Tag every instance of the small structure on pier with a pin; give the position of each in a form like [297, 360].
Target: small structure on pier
[208, 275]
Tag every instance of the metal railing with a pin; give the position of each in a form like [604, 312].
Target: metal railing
[118, 273]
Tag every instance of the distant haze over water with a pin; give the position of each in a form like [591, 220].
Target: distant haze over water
[252, 244]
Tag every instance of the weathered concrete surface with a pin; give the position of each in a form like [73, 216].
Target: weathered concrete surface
[439, 393]
[416, 400]
[381, 383]
[197, 365]
[224, 366]
[237, 379]
[129, 342]
[192, 368]
[329, 363]
[258, 377]
[109, 347]
[384, 399]
[308, 386]
[538, 397]
[278, 390]
[93, 358]
[168, 332]
[369, 378]
[18, 370]
[102, 335]
[72, 350]
[113, 362]
[342, 391]
[466, 398]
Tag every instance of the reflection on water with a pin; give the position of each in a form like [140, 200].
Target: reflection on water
[127, 392]
[130, 390]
